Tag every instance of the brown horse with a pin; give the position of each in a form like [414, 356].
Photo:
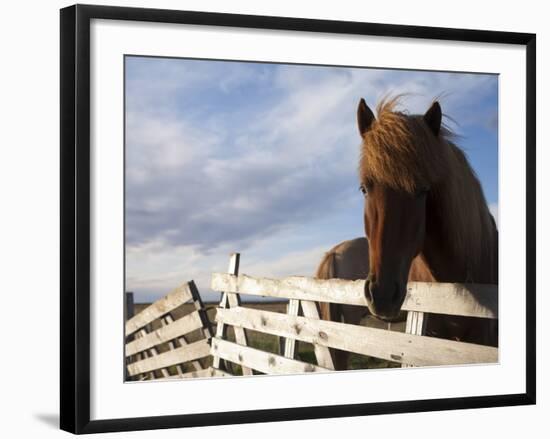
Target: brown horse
[347, 260]
[425, 215]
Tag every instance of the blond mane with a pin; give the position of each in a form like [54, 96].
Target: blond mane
[400, 152]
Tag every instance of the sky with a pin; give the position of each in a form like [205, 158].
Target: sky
[261, 159]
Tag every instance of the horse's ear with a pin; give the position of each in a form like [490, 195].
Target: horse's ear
[433, 118]
[365, 117]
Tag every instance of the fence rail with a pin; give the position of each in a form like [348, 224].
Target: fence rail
[471, 300]
[380, 343]
[410, 349]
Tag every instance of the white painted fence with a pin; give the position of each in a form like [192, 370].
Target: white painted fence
[144, 359]
[411, 348]
[216, 355]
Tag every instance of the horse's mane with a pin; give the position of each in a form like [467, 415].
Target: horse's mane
[401, 152]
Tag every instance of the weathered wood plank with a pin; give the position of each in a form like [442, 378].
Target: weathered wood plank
[259, 360]
[148, 354]
[232, 268]
[182, 340]
[231, 299]
[185, 325]
[139, 356]
[221, 329]
[473, 300]
[290, 343]
[322, 353]
[166, 320]
[389, 345]
[161, 307]
[180, 355]
[206, 330]
[300, 288]
[470, 300]
[415, 325]
[152, 353]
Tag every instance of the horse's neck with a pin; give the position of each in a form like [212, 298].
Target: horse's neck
[437, 264]
[420, 270]
[443, 264]
[440, 262]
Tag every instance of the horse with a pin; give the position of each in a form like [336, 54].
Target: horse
[425, 215]
[347, 260]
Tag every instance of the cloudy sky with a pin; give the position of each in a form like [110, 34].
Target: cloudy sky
[262, 159]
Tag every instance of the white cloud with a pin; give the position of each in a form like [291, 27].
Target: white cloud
[155, 268]
[162, 144]
[295, 263]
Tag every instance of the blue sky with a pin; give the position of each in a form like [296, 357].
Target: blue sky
[262, 159]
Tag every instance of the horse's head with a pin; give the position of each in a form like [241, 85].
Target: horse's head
[396, 172]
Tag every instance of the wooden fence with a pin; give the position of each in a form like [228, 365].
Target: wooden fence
[411, 348]
[157, 343]
[164, 344]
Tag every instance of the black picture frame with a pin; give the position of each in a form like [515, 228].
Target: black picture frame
[75, 217]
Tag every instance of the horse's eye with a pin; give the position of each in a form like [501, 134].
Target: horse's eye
[364, 190]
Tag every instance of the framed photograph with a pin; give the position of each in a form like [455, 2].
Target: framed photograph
[275, 218]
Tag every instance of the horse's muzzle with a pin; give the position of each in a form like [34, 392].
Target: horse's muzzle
[384, 301]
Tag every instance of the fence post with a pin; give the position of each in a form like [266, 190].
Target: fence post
[128, 306]
[416, 324]
[128, 314]
[292, 309]
[166, 320]
[322, 353]
[230, 300]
